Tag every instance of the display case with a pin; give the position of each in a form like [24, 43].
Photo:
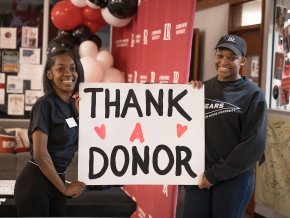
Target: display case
[280, 57]
[23, 38]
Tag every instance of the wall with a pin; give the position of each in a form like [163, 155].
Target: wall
[213, 23]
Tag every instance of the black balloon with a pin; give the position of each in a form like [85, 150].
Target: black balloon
[100, 3]
[96, 39]
[122, 8]
[62, 32]
[81, 33]
[62, 42]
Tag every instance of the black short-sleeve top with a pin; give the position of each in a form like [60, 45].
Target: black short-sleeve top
[50, 114]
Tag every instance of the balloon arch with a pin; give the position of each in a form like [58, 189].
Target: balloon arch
[78, 21]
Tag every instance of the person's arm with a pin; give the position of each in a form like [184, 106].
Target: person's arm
[251, 148]
[204, 182]
[44, 161]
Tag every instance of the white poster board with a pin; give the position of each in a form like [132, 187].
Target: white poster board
[140, 134]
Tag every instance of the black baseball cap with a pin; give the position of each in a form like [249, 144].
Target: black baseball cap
[235, 43]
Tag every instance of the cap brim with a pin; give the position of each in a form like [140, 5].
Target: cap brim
[231, 47]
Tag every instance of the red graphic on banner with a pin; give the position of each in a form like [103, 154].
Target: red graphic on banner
[153, 200]
[155, 48]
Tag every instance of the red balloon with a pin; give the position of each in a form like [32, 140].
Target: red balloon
[102, 21]
[66, 16]
[93, 26]
[91, 14]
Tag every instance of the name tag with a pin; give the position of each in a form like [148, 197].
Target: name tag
[71, 122]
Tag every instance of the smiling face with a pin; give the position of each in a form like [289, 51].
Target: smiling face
[63, 75]
[228, 64]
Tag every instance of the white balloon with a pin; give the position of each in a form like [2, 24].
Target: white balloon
[88, 49]
[106, 58]
[79, 3]
[114, 21]
[93, 71]
[92, 5]
[113, 75]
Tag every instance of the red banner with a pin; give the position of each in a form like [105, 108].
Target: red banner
[155, 48]
[153, 201]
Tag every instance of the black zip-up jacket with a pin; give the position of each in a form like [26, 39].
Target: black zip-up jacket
[235, 127]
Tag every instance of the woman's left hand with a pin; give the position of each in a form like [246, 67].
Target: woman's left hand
[204, 183]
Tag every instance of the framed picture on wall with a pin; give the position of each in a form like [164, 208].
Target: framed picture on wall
[279, 65]
[14, 84]
[15, 104]
[280, 19]
[31, 97]
[2, 88]
[29, 37]
[9, 61]
[8, 37]
[29, 55]
[251, 69]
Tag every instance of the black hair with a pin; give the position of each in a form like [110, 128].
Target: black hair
[47, 84]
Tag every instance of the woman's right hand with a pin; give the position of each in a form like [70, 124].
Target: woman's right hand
[76, 98]
[196, 84]
[75, 188]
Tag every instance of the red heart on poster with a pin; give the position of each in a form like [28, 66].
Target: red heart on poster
[180, 130]
[101, 131]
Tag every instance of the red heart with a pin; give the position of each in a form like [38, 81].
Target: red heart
[101, 131]
[180, 130]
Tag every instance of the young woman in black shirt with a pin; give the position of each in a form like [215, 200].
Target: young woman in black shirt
[41, 189]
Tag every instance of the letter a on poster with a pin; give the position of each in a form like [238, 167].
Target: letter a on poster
[141, 134]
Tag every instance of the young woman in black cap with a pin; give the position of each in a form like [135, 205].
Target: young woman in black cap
[40, 189]
[235, 135]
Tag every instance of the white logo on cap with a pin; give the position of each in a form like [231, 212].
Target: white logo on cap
[231, 39]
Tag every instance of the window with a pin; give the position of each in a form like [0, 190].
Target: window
[280, 72]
